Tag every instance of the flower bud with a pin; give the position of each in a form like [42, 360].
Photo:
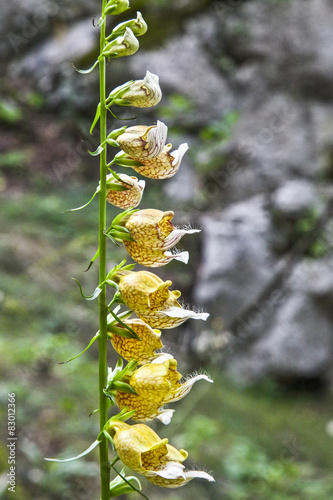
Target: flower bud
[138, 26]
[141, 141]
[141, 93]
[124, 45]
[130, 197]
[114, 7]
[143, 451]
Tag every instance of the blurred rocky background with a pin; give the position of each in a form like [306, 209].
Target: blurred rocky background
[249, 85]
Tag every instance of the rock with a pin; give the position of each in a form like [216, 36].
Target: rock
[24, 23]
[53, 62]
[236, 260]
[298, 339]
[183, 66]
[294, 199]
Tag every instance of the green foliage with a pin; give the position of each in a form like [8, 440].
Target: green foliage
[10, 111]
[177, 105]
[209, 154]
[221, 130]
[251, 474]
[15, 159]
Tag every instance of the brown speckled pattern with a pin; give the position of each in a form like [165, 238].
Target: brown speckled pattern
[150, 227]
[125, 199]
[143, 350]
[159, 167]
[155, 384]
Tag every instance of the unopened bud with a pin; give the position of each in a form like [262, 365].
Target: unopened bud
[138, 26]
[114, 7]
[141, 93]
[124, 45]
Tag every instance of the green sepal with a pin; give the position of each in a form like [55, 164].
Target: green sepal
[112, 186]
[118, 374]
[122, 484]
[124, 160]
[118, 319]
[122, 218]
[112, 142]
[122, 417]
[122, 332]
[108, 437]
[84, 350]
[116, 176]
[93, 296]
[116, 132]
[88, 450]
[118, 92]
[122, 387]
[97, 116]
[118, 235]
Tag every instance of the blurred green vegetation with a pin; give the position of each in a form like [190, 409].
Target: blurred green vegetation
[260, 443]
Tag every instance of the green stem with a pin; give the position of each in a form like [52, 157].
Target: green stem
[103, 337]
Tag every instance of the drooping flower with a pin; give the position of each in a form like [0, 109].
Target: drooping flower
[142, 142]
[143, 350]
[124, 45]
[165, 165]
[114, 7]
[141, 93]
[132, 194]
[143, 451]
[150, 298]
[156, 384]
[153, 228]
[138, 26]
[154, 234]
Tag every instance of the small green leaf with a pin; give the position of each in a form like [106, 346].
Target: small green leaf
[83, 206]
[86, 71]
[98, 150]
[88, 450]
[97, 116]
[93, 260]
[93, 296]
[84, 350]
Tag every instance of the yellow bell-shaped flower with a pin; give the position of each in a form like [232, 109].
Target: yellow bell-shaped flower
[150, 298]
[156, 384]
[143, 451]
[154, 234]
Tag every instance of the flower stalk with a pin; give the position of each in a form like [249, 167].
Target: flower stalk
[150, 379]
[103, 335]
